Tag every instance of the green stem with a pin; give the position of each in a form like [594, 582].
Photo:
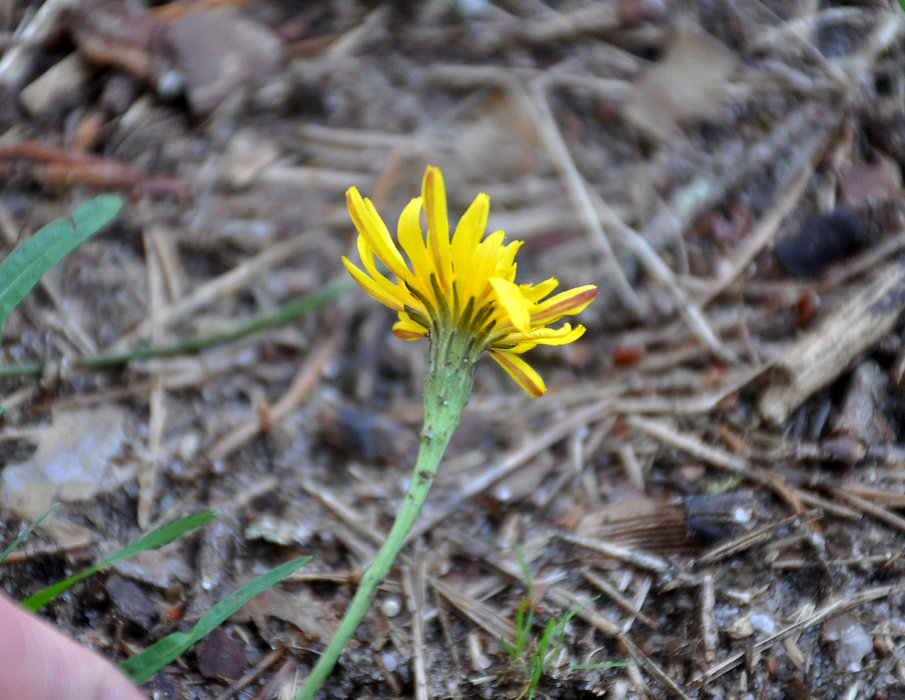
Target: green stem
[447, 386]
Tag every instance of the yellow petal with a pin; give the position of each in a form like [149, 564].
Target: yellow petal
[407, 329]
[563, 304]
[371, 227]
[485, 259]
[434, 194]
[513, 301]
[397, 291]
[520, 371]
[411, 238]
[468, 234]
[542, 336]
[536, 292]
[381, 294]
[506, 260]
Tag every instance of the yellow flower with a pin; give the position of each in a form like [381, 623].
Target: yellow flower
[462, 283]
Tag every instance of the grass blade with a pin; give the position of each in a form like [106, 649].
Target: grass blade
[22, 268]
[155, 538]
[143, 666]
[18, 540]
[287, 313]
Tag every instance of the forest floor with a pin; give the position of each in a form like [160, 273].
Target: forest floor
[714, 483]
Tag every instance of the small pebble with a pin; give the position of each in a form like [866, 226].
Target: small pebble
[853, 642]
[390, 661]
[391, 607]
[222, 656]
[741, 628]
[130, 601]
[763, 623]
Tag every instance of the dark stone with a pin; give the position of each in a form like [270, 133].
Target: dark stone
[130, 601]
[222, 656]
[822, 242]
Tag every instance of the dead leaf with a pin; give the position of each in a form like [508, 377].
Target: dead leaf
[688, 83]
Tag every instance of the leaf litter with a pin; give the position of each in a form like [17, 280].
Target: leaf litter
[719, 460]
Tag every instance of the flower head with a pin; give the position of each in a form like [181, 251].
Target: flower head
[462, 284]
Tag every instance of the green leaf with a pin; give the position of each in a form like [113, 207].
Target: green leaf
[155, 538]
[141, 667]
[600, 665]
[541, 655]
[508, 648]
[22, 268]
[18, 540]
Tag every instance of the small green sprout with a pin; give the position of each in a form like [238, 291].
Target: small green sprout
[546, 648]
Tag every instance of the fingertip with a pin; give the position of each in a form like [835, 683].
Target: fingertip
[41, 663]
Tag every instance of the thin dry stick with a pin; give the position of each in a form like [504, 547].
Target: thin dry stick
[16, 62]
[350, 42]
[413, 585]
[641, 687]
[286, 676]
[867, 314]
[709, 630]
[170, 261]
[254, 674]
[554, 26]
[304, 380]
[344, 512]
[562, 597]
[14, 400]
[826, 506]
[640, 658]
[614, 89]
[761, 234]
[27, 552]
[693, 445]
[634, 472]
[799, 30]
[891, 499]
[863, 563]
[650, 562]
[828, 611]
[889, 28]
[358, 138]
[660, 272]
[222, 286]
[304, 177]
[575, 186]
[485, 617]
[750, 539]
[865, 263]
[641, 596]
[870, 508]
[147, 479]
[699, 402]
[568, 599]
[611, 592]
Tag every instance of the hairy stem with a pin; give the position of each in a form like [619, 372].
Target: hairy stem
[447, 386]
